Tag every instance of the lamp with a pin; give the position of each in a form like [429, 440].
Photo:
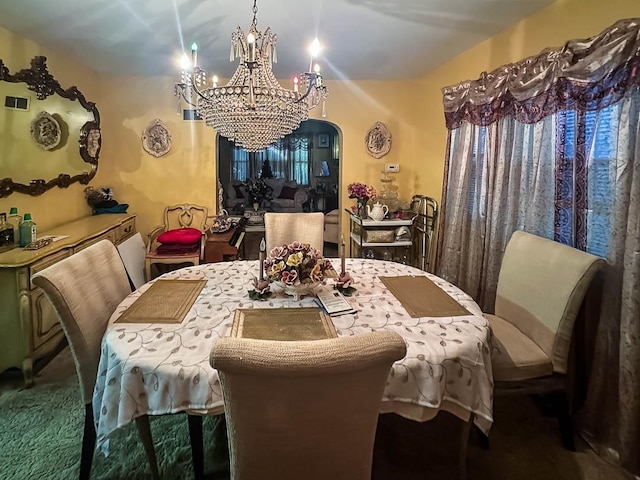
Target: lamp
[252, 110]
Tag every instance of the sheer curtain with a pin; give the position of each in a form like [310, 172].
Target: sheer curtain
[551, 145]
[289, 158]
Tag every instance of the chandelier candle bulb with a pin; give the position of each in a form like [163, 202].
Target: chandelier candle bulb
[214, 81]
[194, 54]
[315, 50]
[251, 46]
[296, 80]
[184, 63]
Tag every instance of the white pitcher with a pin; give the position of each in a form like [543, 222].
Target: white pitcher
[378, 211]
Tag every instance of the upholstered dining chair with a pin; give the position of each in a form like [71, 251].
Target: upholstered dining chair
[541, 287]
[284, 228]
[181, 239]
[85, 290]
[304, 409]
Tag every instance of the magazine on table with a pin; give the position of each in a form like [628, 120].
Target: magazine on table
[334, 303]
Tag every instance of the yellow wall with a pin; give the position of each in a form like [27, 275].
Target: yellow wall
[187, 173]
[553, 26]
[411, 109]
[57, 205]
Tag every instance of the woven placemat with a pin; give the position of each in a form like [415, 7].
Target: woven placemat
[420, 297]
[289, 324]
[166, 301]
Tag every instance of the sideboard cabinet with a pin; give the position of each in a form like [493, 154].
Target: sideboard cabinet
[29, 327]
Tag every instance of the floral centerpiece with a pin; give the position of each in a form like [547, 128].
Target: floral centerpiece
[297, 267]
[362, 193]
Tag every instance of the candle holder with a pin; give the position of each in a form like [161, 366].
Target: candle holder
[345, 284]
[261, 290]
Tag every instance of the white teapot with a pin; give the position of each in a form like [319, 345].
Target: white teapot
[378, 211]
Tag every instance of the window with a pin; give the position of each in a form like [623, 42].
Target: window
[584, 173]
[288, 158]
[589, 142]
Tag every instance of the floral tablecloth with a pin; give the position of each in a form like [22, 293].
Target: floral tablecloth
[158, 369]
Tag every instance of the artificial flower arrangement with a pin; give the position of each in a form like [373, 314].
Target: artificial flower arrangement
[361, 191]
[297, 263]
[257, 190]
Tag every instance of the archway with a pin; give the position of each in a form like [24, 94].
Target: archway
[307, 160]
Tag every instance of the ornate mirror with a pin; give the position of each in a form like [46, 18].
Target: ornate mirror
[48, 136]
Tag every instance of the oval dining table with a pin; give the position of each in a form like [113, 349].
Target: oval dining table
[163, 368]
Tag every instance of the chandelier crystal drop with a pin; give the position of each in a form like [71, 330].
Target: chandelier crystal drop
[252, 109]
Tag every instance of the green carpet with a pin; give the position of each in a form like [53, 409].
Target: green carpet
[41, 435]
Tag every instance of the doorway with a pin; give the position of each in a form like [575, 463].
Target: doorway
[307, 160]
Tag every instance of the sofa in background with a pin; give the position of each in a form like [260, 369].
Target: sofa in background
[332, 226]
[286, 196]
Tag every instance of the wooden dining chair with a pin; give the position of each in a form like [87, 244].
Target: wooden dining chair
[179, 248]
[85, 290]
[285, 228]
[304, 409]
[541, 287]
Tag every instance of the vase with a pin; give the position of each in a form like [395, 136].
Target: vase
[297, 291]
[361, 207]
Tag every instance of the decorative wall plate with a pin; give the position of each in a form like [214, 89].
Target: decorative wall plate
[156, 138]
[45, 131]
[378, 140]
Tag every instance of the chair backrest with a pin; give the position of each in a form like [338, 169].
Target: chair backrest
[185, 215]
[304, 410]
[85, 290]
[540, 289]
[285, 228]
[132, 252]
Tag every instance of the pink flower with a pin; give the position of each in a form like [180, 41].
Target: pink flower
[289, 276]
[279, 252]
[360, 191]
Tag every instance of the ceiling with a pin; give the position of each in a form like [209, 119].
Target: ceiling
[361, 39]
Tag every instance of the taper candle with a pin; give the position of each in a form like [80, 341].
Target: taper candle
[263, 249]
[342, 268]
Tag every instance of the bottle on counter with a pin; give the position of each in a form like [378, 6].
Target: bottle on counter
[27, 231]
[6, 233]
[14, 219]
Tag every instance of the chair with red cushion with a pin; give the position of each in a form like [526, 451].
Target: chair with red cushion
[180, 240]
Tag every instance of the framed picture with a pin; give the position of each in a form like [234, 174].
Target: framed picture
[323, 140]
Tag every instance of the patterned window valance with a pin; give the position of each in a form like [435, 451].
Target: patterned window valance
[292, 142]
[581, 75]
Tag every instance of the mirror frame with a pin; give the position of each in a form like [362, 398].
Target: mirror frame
[43, 84]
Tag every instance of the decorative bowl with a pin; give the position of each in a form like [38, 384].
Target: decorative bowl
[297, 291]
[221, 223]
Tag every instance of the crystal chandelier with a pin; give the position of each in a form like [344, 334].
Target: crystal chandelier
[252, 110]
